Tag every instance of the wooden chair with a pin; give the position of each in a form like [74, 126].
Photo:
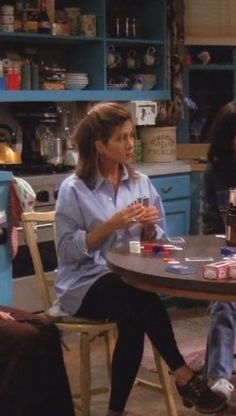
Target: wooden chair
[87, 329]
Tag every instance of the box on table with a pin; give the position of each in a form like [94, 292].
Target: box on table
[232, 270]
[219, 270]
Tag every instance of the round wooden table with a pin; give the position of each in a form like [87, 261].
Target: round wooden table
[147, 271]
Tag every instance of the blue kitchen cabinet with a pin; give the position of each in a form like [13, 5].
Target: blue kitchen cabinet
[6, 295]
[85, 54]
[179, 192]
[175, 193]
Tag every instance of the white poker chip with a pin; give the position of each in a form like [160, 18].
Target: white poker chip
[173, 262]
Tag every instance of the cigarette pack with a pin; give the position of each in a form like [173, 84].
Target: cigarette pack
[218, 270]
[232, 270]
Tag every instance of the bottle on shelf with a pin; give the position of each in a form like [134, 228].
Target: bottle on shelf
[231, 219]
[18, 17]
[44, 25]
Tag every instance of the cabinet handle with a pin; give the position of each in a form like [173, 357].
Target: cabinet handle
[166, 189]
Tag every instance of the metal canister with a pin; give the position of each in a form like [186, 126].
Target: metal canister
[30, 21]
[7, 18]
[88, 25]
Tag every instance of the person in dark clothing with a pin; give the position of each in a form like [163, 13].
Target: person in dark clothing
[100, 207]
[33, 379]
[220, 173]
[218, 178]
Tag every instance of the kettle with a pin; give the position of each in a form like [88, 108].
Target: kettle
[8, 155]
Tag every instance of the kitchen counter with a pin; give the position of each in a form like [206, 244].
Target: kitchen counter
[163, 168]
[194, 154]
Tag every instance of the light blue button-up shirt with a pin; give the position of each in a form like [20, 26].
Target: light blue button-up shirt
[78, 211]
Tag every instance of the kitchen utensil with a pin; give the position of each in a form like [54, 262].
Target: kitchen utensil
[8, 156]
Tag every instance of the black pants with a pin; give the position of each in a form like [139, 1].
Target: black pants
[33, 380]
[137, 313]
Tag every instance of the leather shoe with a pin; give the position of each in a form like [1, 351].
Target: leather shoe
[197, 393]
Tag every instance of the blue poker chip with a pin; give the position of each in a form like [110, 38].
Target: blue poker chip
[227, 251]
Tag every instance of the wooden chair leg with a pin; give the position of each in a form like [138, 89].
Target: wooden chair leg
[85, 374]
[109, 339]
[165, 382]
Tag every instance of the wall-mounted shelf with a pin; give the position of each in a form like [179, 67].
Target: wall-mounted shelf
[82, 95]
[211, 67]
[209, 86]
[89, 54]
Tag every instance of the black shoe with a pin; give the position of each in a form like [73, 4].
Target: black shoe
[197, 393]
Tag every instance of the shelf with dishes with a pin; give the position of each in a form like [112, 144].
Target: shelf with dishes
[135, 67]
[62, 59]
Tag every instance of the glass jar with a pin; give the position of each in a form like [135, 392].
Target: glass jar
[231, 219]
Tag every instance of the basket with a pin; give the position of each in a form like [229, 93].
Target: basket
[159, 143]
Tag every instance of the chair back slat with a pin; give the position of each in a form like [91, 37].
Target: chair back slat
[30, 220]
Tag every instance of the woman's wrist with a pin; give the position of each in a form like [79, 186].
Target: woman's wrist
[149, 232]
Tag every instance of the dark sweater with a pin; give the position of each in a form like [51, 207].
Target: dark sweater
[216, 183]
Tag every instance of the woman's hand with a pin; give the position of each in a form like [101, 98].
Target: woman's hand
[150, 215]
[128, 216]
[149, 221]
[6, 316]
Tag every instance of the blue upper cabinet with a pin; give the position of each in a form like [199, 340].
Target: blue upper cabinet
[126, 60]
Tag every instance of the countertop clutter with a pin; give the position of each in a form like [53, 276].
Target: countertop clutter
[163, 168]
[194, 154]
[190, 158]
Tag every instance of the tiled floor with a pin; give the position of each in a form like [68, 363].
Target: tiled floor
[190, 326]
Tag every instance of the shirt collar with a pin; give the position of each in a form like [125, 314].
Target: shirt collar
[99, 180]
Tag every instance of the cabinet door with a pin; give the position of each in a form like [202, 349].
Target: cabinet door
[175, 193]
[177, 217]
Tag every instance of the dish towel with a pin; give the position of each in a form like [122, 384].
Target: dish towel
[23, 199]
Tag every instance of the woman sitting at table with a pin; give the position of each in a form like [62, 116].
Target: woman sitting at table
[100, 207]
[219, 176]
[33, 380]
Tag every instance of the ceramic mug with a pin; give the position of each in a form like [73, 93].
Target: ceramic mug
[150, 57]
[121, 81]
[132, 60]
[113, 57]
[136, 82]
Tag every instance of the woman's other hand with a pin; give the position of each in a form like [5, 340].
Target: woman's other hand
[128, 216]
[150, 215]
[6, 316]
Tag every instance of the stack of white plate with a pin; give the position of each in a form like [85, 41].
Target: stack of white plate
[76, 81]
